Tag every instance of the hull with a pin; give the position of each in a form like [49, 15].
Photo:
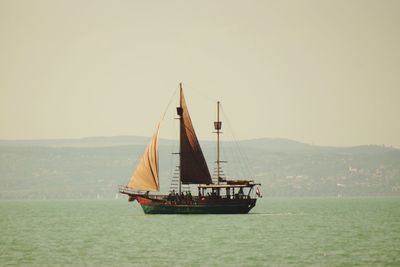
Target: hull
[198, 206]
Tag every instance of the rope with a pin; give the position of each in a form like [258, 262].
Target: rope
[245, 160]
[169, 103]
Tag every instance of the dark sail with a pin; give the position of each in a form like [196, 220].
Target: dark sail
[193, 166]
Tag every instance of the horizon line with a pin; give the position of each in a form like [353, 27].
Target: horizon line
[202, 140]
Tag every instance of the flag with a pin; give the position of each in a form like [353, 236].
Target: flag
[258, 193]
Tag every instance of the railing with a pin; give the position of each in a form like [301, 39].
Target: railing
[126, 190]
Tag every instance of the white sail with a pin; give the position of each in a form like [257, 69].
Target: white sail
[145, 176]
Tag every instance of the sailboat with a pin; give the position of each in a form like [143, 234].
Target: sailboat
[220, 197]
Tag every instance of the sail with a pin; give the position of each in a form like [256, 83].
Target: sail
[193, 166]
[145, 176]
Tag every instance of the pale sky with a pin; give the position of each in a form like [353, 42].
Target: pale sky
[321, 72]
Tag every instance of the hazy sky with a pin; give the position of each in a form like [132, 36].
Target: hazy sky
[322, 72]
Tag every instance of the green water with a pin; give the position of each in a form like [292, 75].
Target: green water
[278, 232]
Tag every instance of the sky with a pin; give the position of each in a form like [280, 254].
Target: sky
[316, 71]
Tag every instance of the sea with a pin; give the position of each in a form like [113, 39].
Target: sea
[277, 232]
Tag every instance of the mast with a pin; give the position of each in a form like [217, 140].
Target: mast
[217, 126]
[180, 113]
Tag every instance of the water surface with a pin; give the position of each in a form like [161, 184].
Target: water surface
[278, 232]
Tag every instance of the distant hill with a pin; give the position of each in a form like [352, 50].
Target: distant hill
[276, 144]
[93, 167]
[81, 142]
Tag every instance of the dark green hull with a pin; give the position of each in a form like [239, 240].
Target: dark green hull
[208, 206]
